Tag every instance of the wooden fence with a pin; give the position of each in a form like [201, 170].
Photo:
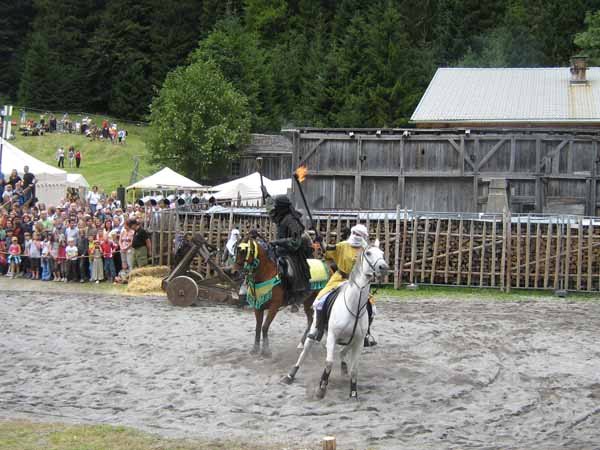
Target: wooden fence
[477, 250]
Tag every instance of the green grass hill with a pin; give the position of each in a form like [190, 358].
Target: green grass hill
[102, 163]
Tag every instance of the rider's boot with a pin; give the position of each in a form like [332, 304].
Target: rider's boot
[369, 340]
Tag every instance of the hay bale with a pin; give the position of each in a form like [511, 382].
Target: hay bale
[149, 271]
[145, 285]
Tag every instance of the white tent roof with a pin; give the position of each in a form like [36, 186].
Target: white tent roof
[252, 180]
[248, 188]
[77, 180]
[279, 187]
[51, 182]
[165, 178]
[14, 158]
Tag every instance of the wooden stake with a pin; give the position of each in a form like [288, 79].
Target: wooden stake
[470, 264]
[538, 243]
[397, 273]
[558, 251]
[508, 252]
[435, 250]
[413, 251]
[447, 249]
[387, 244]
[527, 250]
[425, 242]
[590, 254]
[493, 280]
[482, 262]
[579, 254]
[503, 256]
[548, 254]
[403, 251]
[518, 280]
[329, 443]
[460, 250]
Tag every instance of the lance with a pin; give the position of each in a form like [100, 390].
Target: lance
[299, 176]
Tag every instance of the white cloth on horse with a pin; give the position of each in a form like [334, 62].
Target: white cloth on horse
[358, 235]
[319, 302]
[232, 241]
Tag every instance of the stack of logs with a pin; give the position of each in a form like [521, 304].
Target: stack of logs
[498, 251]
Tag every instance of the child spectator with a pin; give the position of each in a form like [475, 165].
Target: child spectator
[14, 257]
[77, 159]
[72, 262]
[108, 247]
[61, 261]
[25, 261]
[46, 259]
[35, 253]
[96, 255]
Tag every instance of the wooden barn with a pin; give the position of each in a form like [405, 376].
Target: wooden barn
[485, 140]
[276, 152]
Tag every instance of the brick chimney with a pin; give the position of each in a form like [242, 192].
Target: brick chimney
[578, 69]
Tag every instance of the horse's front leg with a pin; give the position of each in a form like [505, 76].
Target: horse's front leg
[308, 310]
[343, 363]
[306, 346]
[258, 315]
[354, 357]
[322, 389]
[266, 349]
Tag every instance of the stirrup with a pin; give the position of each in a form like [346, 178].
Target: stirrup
[369, 341]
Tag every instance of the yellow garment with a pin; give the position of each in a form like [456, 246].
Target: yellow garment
[344, 256]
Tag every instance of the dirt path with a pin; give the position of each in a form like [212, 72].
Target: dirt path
[447, 374]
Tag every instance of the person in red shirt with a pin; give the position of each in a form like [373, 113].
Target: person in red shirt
[108, 246]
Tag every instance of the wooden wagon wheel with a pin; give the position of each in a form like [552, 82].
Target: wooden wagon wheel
[196, 276]
[182, 291]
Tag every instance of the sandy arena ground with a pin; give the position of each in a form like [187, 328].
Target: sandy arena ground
[447, 374]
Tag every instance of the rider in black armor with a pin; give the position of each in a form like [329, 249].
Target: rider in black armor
[290, 245]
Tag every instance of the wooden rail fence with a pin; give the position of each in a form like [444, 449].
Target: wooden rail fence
[498, 251]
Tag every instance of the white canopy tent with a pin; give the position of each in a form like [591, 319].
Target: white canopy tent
[246, 191]
[51, 182]
[165, 179]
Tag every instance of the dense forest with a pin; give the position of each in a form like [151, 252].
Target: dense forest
[297, 62]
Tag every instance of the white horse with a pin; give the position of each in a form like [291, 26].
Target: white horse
[348, 321]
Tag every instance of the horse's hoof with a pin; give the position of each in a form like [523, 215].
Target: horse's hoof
[294, 308]
[300, 346]
[353, 395]
[321, 391]
[287, 380]
[344, 368]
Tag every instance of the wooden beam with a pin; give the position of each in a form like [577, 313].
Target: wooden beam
[489, 154]
[310, 152]
[553, 153]
[461, 153]
[513, 153]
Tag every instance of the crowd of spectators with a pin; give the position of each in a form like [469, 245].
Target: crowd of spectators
[48, 123]
[78, 240]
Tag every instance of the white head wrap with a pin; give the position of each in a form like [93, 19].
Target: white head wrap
[358, 235]
[232, 242]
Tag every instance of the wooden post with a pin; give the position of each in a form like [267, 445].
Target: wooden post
[527, 250]
[447, 261]
[338, 229]
[170, 237]
[579, 254]
[518, 249]
[460, 242]
[503, 256]
[403, 251]
[425, 242]
[161, 238]
[567, 255]
[482, 262]
[508, 251]
[538, 238]
[470, 264]
[329, 443]
[558, 252]
[413, 251]
[493, 270]
[328, 231]
[590, 254]
[548, 254]
[387, 244]
[435, 250]
[397, 269]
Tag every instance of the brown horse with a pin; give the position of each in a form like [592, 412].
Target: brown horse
[266, 291]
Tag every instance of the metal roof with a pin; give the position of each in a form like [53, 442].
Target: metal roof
[509, 95]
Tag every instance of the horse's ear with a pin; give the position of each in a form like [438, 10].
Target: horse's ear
[376, 243]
